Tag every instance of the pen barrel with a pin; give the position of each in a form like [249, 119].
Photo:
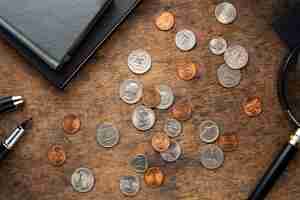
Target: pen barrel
[7, 107]
[3, 151]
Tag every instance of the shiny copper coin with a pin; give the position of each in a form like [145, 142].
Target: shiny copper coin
[253, 106]
[154, 177]
[187, 72]
[182, 110]
[56, 155]
[71, 124]
[228, 142]
[151, 98]
[160, 142]
[165, 21]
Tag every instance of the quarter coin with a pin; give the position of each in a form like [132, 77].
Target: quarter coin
[131, 91]
[129, 185]
[228, 77]
[253, 106]
[217, 45]
[228, 142]
[225, 13]
[56, 155]
[187, 72]
[208, 131]
[139, 61]
[173, 152]
[185, 40]
[182, 110]
[139, 163]
[151, 97]
[107, 135]
[143, 118]
[211, 156]
[173, 128]
[83, 180]
[236, 57]
[71, 124]
[160, 142]
[166, 97]
[165, 21]
[154, 177]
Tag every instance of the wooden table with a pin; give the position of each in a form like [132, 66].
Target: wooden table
[27, 175]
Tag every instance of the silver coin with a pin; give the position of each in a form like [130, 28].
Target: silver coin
[209, 131]
[143, 118]
[228, 77]
[166, 97]
[236, 57]
[185, 40]
[83, 180]
[217, 45]
[139, 163]
[173, 128]
[129, 185]
[225, 13]
[107, 135]
[173, 153]
[139, 61]
[211, 156]
[131, 91]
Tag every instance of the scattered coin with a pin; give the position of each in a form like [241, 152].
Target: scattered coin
[56, 155]
[129, 185]
[165, 21]
[166, 97]
[185, 40]
[139, 163]
[253, 106]
[131, 91]
[228, 142]
[173, 128]
[139, 61]
[228, 77]
[143, 118]
[107, 135]
[209, 131]
[211, 156]
[173, 153]
[236, 57]
[225, 13]
[187, 72]
[217, 45]
[71, 124]
[154, 177]
[151, 97]
[160, 142]
[83, 180]
[182, 110]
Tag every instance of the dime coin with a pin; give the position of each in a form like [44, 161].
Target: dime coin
[217, 45]
[160, 142]
[154, 177]
[143, 118]
[56, 155]
[228, 77]
[173, 153]
[225, 13]
[253, 106]
[166, 97]
[71, 124]
[211, 156]
[185, 40]
[165, 21]
[139, 61]
[228, 142]
[151, 97]
[129, 185]
[173, 128]
[187, 72]
[139, 163]
[83, 180]
[182, 110]
[107, 135]
[209, 131]
[131, 91]
[236, 57]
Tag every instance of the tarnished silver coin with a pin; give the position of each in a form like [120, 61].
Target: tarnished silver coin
[211, 156]
[173, 153]
[83, 180]
[173, 128]
[139, 163]
[166, 97]
[129, 185]
[107, 135]
[185, 40]
[228, 77]
[236, 57]
[217, 45]
[131, 91]
[143, 118]
[209, 131]
[139, 61]
[225, 13]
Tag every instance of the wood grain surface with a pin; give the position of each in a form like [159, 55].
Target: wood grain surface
[93, 95]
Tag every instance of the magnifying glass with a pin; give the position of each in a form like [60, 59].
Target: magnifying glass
[289, 96]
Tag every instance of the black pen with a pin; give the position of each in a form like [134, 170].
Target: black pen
[10, 103]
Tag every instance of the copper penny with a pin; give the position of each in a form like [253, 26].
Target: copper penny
[71, 124]
[253, 106]
[165, 21]
[154, 177]
[151, 98]
[56, 155]
[187, 72]
[228, 142]
[160, 142]
[182, 110]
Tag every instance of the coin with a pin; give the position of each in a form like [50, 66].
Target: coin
[236, 57]
[217, 45]
[151, 97]
[143, 118]
[154, 177]
[228, 142]
[211, 156]
[107, 135]
[166, 97]
[71, 124]
[165, 21]
[228, 77]
[83, 180]
[173, 128]
[160, 142]
[253, 106]
[187, 72]
[173, 152]
[139, 61]
[129, 185]
[131, 91]
[225, 13]
[139, 163]
[208, 131]
[182, 110]
[56, 155]
[185, 40]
